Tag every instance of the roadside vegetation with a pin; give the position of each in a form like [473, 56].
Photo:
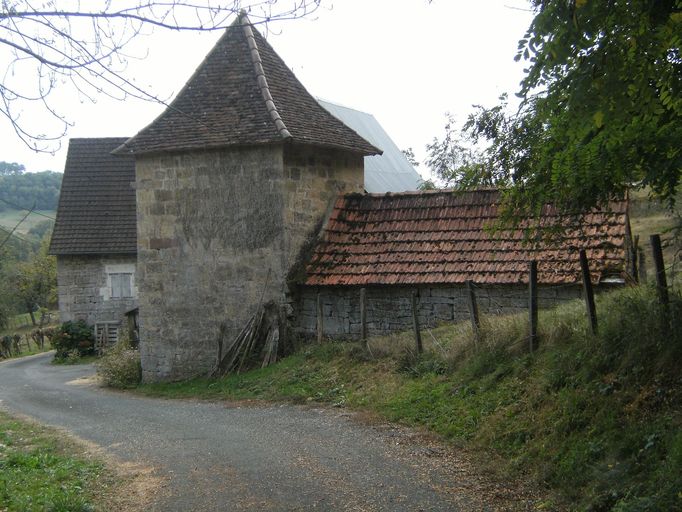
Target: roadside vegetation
[26, 340]
[39, 471]
[120, 366]
[596, 420]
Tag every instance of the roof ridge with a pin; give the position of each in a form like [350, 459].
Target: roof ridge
[425, 192]
[261, 78]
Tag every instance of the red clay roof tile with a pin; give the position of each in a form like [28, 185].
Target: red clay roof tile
[441, 238]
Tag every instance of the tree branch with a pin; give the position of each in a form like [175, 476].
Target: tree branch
[62, 50]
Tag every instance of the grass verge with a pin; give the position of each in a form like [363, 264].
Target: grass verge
[39, 471]
[595, 420]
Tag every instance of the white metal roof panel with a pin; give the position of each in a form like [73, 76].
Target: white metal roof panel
[389, 172]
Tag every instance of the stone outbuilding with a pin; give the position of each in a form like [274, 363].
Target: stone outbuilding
[247, 192]
[433, 242]
[95, 234]
[233, 182]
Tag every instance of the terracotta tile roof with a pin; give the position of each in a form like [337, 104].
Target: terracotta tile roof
[96, 212]
[439, 238]
[244, 94]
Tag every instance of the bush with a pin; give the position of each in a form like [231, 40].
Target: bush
[71, 336]
[120, 366]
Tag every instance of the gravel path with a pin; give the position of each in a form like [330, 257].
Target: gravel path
[223, 456]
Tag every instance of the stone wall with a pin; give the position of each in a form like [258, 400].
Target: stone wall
[389, 308]
[218, 232]
[84, 288]
[314, 178]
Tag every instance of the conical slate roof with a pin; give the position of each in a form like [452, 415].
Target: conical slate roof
[243, 94]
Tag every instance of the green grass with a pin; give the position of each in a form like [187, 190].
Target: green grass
[10, 218]
[38, 471]
[648, 218]
[596, 421]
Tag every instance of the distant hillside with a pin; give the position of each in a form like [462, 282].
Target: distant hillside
[35, 224]
[25, 190]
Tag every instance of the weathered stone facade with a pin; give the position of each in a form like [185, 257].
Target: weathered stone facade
[85, 290]
[389, 308]
[218, 232]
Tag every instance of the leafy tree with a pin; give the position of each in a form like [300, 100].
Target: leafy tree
[11, 168]
[39, 230]
[9, 255]
[457, 163]
[601, 105]
[36, 280]
[56, 44]
[32, 189]
[410, 156]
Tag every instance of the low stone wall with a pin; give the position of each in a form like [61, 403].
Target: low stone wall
[389, 308]
[84, 290]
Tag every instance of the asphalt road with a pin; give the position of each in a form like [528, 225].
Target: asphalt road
[223, 456]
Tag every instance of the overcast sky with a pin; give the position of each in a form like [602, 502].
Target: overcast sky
[406, 62]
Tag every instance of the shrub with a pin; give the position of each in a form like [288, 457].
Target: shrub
[120, 366]
[71, 336]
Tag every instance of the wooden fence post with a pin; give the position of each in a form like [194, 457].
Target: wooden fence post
[473, 310]
[533, 305]
[320, 319]
[641, 265]
[634, 271]
[415, 323]
[589, 293]
[661, 283]
[363, 316]
[283, 328]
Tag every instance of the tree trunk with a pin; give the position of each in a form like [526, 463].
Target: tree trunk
[33, 317]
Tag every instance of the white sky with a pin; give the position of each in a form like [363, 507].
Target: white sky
[407, 62]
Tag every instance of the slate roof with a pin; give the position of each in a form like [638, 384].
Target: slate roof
[96, 212]
[388, 172]
[438, 237]
[244, 94]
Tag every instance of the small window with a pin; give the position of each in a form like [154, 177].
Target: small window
[121, 285]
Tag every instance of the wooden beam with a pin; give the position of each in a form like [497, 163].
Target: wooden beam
[588, 291]
[415, 323]
[473, 311]
[320, 319]
[533, 305]
[363, 316]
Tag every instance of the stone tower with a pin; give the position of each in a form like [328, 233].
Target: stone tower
[232, 180]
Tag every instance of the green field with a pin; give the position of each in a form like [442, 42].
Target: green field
[9, 219]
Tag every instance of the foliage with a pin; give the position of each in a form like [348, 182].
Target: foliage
[73, 336]
[41, 229]
[11, 168]
[37, 472]
[5, 310]
[38, 190]
[120, 366]
[410, 156]
[597, 420]
[8, 254]
[35, 281]
[601, 105]
[457, 163]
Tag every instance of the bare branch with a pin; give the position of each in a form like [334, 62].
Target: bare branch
[82, 45]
